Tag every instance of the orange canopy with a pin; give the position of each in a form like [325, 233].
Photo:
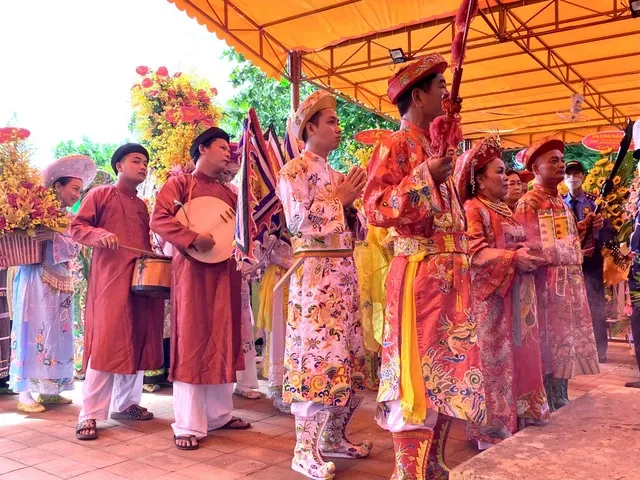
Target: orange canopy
[525, 58]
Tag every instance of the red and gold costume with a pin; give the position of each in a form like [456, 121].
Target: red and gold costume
[504, 306]
[430, 356]
[566, 332]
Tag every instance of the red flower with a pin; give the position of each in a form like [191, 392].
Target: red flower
[52, 210]
[214, 91]
[3, 223]
[171, 94]
[142, 70]
[177, 74]
[162, 72]
[12, 199]
[189, 114]
[207, 122]
[147, 82]
[154, 93]
[27, 185]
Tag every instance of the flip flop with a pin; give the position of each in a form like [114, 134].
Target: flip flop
[86, 425]
[191, 439]
[229, 425]
[134, 412]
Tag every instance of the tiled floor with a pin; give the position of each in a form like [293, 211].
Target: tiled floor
[43, 447]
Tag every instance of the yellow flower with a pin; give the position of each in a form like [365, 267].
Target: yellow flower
[601, 162]
[609, 167]
[611, 197]
[601, 181]
[616, 180]
[595, 171]
[617, 223]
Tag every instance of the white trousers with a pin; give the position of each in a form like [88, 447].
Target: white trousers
[276, 340]
[390, 418]
[104, 391]
[200, 408]
[247, 379]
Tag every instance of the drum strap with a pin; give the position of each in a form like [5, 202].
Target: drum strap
[299, 258]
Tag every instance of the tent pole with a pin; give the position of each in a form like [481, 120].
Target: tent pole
[294, 73]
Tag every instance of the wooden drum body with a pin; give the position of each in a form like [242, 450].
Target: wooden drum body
[152, 277]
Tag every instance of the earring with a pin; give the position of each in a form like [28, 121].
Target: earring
[481, 187]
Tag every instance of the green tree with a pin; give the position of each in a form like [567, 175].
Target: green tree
[100, 152]
[271, 100]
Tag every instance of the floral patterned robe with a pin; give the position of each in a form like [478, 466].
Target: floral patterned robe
[566, 332]
[504, 303]
[42, 330]
[428, 220]
[324, 352]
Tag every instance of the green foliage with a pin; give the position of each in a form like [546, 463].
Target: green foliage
[271, 99]
[100, 152]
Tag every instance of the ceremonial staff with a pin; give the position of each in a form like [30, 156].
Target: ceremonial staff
[445, 130]
[625, 143]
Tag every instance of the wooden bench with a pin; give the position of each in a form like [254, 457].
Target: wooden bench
[595, 437]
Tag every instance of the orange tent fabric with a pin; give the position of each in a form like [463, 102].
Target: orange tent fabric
[524, 61]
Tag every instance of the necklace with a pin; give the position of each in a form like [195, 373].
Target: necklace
[499, 207]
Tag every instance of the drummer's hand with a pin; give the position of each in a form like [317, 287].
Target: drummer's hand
[203, 242]
[110, 240]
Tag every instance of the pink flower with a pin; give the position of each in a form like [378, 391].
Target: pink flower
[154, 93]
[207, 122]
[12, 199]
[171, 94]
[142, 70]
[27, 185]
[177, 74]
[147, 82]
[162, 72]
[214, 91]
[3, 223]
[52, 210]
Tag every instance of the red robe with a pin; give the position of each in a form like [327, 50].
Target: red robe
[566, 331]
[123, 332]
[400, 193]
[504, 304]
[206, 342]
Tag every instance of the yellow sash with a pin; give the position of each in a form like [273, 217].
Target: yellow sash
[413, 403]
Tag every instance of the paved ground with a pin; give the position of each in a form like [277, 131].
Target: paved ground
[43, 447]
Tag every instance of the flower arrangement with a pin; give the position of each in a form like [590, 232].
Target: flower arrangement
[613, 205]
[169, 112]
[25, 203]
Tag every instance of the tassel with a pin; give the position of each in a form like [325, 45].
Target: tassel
[461, 14]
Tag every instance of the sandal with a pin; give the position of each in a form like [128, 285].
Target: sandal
[54, 399]
[134, 412]
[235, 420]
[248, 394]
[191, 438]
[87, 425]
[31, 407]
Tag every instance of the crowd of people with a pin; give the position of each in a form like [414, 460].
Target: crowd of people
[493, 293]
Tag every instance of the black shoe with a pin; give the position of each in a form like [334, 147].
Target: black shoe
[602, 358]
[635, 384]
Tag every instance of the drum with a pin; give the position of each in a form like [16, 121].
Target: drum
[214, 216]
[152, 277]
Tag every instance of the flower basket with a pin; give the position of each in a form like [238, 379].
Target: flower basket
[17, 248]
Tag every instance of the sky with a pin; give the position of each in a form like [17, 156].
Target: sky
[67, 66]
